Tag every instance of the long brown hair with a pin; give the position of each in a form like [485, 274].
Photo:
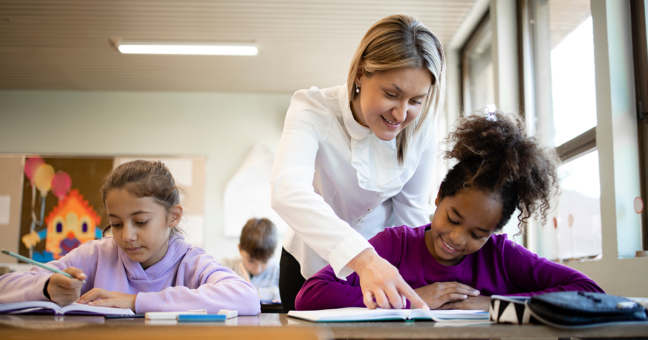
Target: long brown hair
[142, 178]
[402, 41]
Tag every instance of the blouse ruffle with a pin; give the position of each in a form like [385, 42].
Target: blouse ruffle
[375, 160]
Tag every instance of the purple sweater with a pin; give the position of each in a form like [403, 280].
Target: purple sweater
[186, 278]
[498, 268]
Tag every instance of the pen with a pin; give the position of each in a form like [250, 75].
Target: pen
[201, 318]
[22, 258]
[247, 278]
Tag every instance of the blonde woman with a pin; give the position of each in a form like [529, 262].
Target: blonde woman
[357, 158]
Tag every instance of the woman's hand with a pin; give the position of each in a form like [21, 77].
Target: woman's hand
[440, 293]
[477, 303]
[381, 281]
[104, 298]
[64, 290]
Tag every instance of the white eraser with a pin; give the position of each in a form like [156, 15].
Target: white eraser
[229, 313]
[171, 315]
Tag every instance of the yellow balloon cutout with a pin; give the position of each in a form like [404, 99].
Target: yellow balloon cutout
[43, 178]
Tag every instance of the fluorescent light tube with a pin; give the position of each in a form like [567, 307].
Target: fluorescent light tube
[185, 48]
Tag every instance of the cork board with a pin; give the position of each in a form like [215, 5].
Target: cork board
[87, 174]
[11, 172]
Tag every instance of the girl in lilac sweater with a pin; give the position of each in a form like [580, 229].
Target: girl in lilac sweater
[146, 265]
[456, 262]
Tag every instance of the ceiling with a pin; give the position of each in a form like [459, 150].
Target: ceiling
[64, 44]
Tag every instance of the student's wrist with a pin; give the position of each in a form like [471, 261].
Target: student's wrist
[45, 292]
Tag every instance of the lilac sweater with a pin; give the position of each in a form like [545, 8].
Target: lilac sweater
[498, 268]
[186, 278]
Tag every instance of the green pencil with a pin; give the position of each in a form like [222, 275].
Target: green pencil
[22, 258]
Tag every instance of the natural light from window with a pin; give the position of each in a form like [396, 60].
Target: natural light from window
[573, 84]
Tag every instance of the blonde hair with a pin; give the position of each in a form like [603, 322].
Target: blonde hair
[402, 41]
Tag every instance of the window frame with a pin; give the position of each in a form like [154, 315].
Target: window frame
[473, 38]
[572, 149]
[640, 60]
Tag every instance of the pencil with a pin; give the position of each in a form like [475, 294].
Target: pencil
[247, 277]
[22, 258]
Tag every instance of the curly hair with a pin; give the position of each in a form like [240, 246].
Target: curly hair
[495, 155]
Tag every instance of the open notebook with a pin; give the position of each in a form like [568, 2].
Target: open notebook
[365, 314]
[46, 307]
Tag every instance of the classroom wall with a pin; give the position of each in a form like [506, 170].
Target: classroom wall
[221, 126]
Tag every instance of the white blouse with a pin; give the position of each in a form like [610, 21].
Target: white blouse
[336, 184]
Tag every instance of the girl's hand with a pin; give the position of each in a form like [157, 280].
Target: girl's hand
[64, 290]
[440, 294]
[381, 281]
[477, 303]
[104, 298]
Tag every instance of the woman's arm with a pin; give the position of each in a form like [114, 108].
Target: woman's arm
[325, 290]
[293, 196]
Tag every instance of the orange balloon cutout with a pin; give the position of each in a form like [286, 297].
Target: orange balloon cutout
[31, 165]
[61, 184]
[43, 178]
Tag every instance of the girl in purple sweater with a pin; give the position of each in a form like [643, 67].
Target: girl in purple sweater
[456, 262]
[146, 265]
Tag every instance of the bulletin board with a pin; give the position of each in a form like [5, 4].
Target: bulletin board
[51, 204]
[86, 175]
[11, 172]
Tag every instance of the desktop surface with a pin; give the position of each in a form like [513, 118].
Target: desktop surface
[280, 326]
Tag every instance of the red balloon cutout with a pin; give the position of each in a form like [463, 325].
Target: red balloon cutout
[31, 165]
[61, 184]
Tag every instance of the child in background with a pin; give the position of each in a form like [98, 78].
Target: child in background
[456, 262]
[256, 246]
[146, 265]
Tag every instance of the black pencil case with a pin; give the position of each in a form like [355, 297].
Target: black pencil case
[583, 309]
[566, 309]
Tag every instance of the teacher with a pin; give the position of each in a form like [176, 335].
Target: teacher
[357, 158]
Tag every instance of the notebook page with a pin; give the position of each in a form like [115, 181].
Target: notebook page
[350, 314]
[78, 308]
[458, 314]
[28, 306]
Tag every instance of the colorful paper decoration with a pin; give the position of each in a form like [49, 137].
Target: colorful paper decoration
[31, 165]
[43, 178]
[71, 223]
[61, 184]
[638, 205]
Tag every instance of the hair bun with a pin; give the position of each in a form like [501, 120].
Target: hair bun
[495, 140]
[495, 154]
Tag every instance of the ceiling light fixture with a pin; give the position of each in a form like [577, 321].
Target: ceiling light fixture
[184, 47]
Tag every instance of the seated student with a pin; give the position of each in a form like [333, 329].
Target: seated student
[456, 261]
[146, 265]
[256, 245]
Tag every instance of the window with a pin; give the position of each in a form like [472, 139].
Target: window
[640, 58]
[564, 107]
[478, 83]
